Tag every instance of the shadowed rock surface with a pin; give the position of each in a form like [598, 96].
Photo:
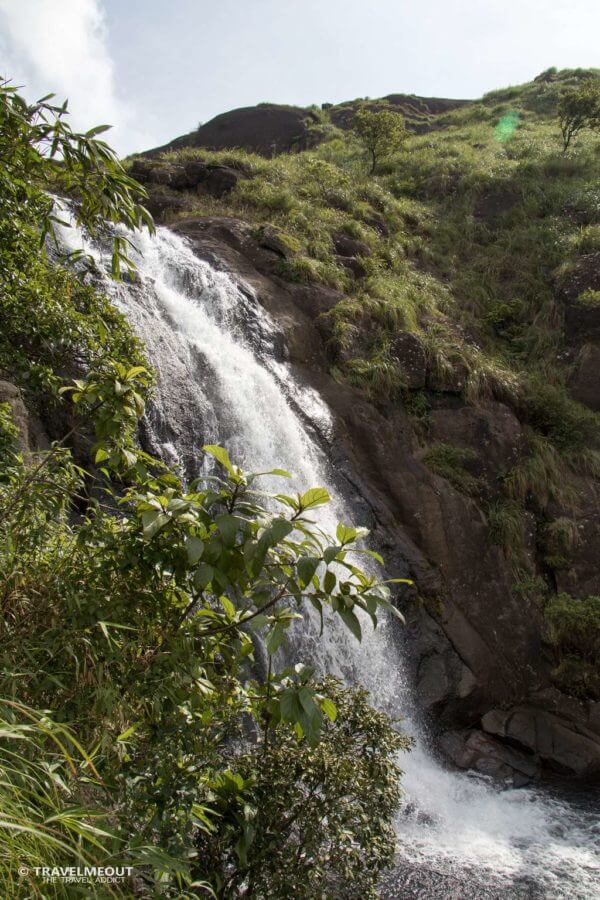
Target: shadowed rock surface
[267, 129]
[477, 651]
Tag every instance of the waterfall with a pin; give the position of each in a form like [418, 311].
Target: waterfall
[222, 378]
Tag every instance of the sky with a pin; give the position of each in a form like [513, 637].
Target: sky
[154, 69]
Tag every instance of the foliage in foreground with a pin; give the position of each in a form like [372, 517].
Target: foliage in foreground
[140, 628]
[135, 700]
[310, 807]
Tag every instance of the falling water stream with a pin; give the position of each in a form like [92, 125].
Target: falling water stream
[222, 378]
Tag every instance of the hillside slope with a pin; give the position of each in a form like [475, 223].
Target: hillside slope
[448, 308]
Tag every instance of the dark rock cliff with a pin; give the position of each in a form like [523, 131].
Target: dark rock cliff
[477, 653]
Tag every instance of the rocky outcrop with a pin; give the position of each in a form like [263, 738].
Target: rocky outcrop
[409, 350]
[187, 175]
[267, 129]
[478, 657]
[473, 749]
[492, 433]
[270, 128]
[559, 730]
[420, 113]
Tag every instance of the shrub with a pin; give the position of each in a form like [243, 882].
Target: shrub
[505, 519]
[381, 132]
[132, 603]
[310, 804]
[579, 108]
[573, 629]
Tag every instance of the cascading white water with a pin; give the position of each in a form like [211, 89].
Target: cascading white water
[220, 379]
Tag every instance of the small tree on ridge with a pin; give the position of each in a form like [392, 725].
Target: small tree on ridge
[380, 131]
[579, 108]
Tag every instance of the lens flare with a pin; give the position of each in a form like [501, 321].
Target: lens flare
[507, 126]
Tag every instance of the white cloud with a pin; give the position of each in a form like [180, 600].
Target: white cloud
[61, 46]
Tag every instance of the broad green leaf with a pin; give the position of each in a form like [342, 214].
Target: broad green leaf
[306, 568]
[314, 497]
[203, 576]
[152, 522]
[329, 582]
[228, 526]
[345, 533]
[221, 455]
[350, 619]
[330, 554]
[329, 708]
[291, 709]
[275, 639]
[276, 532]
[228, 607]
[194, 548]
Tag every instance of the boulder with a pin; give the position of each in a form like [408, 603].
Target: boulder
[267, 129]
[565, 745]
[219, 180]
[473, 749]
[170, 175]
[279, 242]
[345, 245]
[409, 350]
[188, 175]
[491, 430]
[162, 200]
[314, 299]
[585, 383]
[353, 264]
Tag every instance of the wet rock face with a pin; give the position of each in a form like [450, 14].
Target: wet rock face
[476, 645]
[477, 750]
[561, 731]
[491, 431]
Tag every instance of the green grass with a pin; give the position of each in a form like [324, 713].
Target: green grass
[507, 526]
[573, 629]
[474, 230]
[452, 463]
[467, 228]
